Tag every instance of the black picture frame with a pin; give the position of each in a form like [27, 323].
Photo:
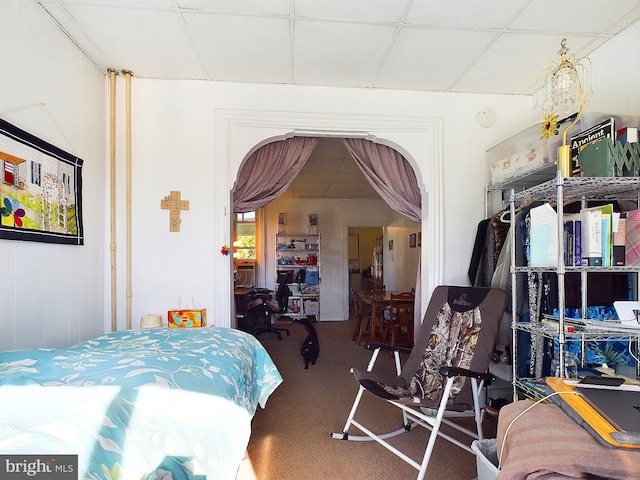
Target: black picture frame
[40, 190]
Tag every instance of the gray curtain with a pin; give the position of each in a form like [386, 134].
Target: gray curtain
[392, 177]
[269, 171]
[389, 174]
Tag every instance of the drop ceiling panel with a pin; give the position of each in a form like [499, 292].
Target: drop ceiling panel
[582, 15]
[528, 54]
[160, 49]
[465, 14]
[365, 11]
[262, 56]
[251, 7]
[338, 53]
[436, 61]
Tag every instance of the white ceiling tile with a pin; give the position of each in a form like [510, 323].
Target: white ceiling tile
[115, 3]
[245, 49]
[529, 55]
[594, 16]
[381, 11]
[431, 59]
[339, 54]
[462, 14]
[156, 50]
[253, 7]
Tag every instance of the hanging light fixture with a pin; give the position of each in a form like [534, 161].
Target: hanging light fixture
[567, 88]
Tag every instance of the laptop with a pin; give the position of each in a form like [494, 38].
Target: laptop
[621, 408]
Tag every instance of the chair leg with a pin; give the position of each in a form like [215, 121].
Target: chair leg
[356, 330]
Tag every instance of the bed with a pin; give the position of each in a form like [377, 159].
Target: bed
[138, 404]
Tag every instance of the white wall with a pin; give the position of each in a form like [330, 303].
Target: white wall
[53, 295]
[178, 145]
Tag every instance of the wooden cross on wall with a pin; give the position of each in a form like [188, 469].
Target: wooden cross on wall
[173, 203]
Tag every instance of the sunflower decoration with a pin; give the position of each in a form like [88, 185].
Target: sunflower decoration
[550, 126]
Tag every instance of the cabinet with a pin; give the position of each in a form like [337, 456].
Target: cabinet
[563, 191]
[298, 269]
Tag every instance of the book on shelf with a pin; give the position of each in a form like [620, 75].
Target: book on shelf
[604, 129]
[572, 240]
[591, 237]
[627, 135]
[568, 240]
[632, 241]
[619, 239]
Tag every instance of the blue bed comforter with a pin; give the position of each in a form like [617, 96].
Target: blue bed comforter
[156, 403]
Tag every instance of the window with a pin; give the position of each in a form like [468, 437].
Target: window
[35, 173]
[245, 244]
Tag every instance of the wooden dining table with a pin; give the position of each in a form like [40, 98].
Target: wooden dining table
[378, 300]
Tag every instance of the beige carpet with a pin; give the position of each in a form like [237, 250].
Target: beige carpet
[291, 437]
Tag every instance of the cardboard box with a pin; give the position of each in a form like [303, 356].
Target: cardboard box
[187, 318]
[311, 307]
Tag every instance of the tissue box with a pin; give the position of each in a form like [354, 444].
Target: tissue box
[187, 318]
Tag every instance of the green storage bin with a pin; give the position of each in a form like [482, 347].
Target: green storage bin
[610, 159]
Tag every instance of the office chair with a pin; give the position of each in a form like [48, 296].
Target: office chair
[444, 375]
[262, 306]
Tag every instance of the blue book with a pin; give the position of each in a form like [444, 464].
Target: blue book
[568, 242]
[577, 243]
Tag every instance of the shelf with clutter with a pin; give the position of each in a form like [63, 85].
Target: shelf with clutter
[298, 274]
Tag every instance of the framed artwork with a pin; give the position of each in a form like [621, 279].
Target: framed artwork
[419, 239]
[412, 240]
[40, 190]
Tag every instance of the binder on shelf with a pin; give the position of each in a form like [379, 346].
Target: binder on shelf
[543, 237]
[632, 242]
[619, 239]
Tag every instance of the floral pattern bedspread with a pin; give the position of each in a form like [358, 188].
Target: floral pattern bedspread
[156, 403]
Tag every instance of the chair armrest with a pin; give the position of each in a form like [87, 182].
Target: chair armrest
[463, 372]
[385, 347]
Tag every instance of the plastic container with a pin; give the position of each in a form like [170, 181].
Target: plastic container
[486, 458]
[570, 366]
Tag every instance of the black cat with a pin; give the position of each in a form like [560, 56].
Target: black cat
[311, 346]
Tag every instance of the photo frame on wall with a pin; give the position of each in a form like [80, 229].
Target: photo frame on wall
[412, 240]
[40, 190]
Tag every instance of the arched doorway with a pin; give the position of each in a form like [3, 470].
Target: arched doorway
[240, 133]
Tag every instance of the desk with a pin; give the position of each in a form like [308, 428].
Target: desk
[241, 295]
[378, 300]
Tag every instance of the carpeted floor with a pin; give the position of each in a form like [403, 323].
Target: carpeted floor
[291, 437]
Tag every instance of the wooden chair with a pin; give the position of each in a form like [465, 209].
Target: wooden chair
[357, 302]
[399, 318]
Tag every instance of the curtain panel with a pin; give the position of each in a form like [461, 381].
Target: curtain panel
[393, 178]
[389, 174]
[269, 171]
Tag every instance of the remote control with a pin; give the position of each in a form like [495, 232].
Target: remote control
[605, 381]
